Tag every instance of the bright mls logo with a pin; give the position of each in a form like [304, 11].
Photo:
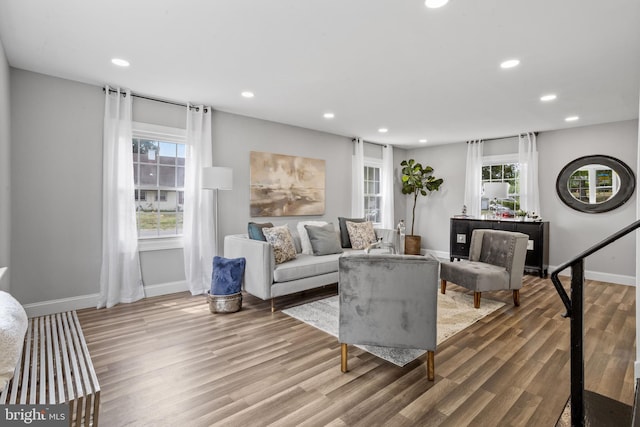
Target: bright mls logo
[35, 415]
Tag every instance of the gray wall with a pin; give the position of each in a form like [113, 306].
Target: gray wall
[5, 142]
[234, 137]
[571, 231]
[57, 182]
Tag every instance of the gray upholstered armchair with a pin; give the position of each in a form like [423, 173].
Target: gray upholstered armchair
[496, 262]
[389, 300]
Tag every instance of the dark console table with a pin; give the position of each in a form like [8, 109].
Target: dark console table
[537, 248]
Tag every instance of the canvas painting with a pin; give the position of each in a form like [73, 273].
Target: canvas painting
[284, 185]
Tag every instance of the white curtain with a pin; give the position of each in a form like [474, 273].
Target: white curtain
[388, 220]
[357, 179]
[528, 159]
[198, 230]
[473, 180]
[120, 278]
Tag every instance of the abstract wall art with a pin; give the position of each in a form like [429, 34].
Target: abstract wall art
[284, 185]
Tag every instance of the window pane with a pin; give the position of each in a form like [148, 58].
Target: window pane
[180, 177]
[136, 147]
[148, 151]
[509, 171]
[135, 174]
[496, 172]
[167, 176]
[148, 175]
[486, 173]
[182, 153]
[167, 153]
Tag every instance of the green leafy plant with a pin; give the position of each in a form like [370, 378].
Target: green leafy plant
[418, 180]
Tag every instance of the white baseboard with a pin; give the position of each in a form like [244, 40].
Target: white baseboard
[44, 308]
[618, 279]
[165, 288]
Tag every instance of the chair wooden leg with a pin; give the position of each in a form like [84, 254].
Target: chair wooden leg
[273, 305]
[443, 286]
[431, 370]
[343, 357]
[516, 297]
[476, 299]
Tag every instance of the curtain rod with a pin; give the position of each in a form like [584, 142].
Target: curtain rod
[506, 137]
[164, 101]
[368, 142]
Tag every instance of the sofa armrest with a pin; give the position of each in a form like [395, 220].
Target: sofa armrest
[258, 273]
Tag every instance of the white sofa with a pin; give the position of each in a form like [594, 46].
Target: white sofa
[266, 280]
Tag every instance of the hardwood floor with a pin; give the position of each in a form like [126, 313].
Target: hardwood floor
[167, 361]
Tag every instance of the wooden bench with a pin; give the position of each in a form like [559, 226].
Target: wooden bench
[55, 367]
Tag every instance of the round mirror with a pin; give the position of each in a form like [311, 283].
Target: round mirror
[595, 184]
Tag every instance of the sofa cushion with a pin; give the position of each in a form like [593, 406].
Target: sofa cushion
[344, 233]
[255, 230]
[304, 236]
[324, 239]
[305, 266]
[280, 239]
[477, 276]
[361, 234]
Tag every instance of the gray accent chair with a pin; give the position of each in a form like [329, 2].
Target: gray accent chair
[388, 300]
[496, 262]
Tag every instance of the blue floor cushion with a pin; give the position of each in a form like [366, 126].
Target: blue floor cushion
[227, 275]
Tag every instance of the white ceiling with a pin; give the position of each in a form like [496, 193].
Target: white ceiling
[422, 73]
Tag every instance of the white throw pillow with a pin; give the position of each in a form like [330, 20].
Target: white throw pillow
[13, 326]
[304, 236]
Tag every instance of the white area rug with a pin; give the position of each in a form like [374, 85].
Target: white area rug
[455, 312]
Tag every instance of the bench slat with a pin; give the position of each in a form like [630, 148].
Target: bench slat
[55, 367]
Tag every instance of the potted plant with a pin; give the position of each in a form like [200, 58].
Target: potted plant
[417, 180]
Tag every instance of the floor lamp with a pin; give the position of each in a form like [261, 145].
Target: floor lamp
[217, 178]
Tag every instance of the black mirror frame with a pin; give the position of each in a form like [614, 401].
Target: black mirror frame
[627, 183]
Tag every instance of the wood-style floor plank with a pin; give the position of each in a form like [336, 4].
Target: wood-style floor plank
[168, 361]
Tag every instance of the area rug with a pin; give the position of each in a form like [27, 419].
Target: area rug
[455, 313]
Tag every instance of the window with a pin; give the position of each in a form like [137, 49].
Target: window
[372, 191]
[158, 167]
[502, 169]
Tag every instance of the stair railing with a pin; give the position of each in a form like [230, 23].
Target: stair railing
[575, 312]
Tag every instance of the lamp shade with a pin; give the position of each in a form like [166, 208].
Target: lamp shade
[217, 178]
[496, 190]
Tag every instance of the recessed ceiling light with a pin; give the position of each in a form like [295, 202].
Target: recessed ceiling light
[422, 141]
[383, 130]
[549, 97]
[329, 115]
[247, 94]
[571, 119]
[433, 4]
[510, 63]
[120, 62]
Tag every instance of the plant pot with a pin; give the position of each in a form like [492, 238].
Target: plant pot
[412, 245]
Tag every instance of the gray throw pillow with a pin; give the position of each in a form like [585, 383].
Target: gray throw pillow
[345, 241]
[324, 239]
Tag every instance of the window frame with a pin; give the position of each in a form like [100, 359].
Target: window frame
[167, 134]
[373, 162]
